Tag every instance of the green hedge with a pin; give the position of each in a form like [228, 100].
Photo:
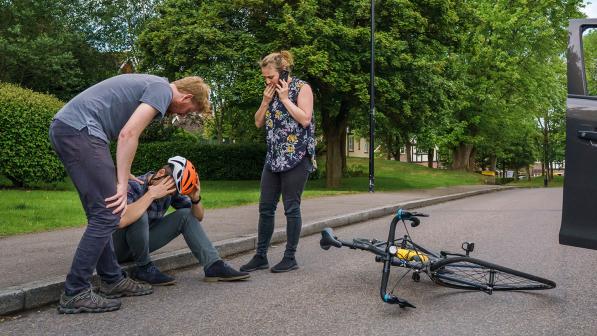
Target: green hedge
[214, 162]
[26, 155]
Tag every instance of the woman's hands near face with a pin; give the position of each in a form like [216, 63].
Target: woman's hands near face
[268, 93]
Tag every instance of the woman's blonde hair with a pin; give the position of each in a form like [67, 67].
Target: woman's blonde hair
[282, 60]
[196, 86]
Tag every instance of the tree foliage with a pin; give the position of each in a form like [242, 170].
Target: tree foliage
[42, 49]
[223, 41]
[510, 68]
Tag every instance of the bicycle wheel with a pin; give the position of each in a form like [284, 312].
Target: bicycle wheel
[474, 274]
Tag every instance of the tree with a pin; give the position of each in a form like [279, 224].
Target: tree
[504, 65]
[42, 50]
[114, 25]
[223, 40]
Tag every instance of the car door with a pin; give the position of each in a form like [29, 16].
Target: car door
[579, 211]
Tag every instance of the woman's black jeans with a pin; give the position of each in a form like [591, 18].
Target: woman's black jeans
[290, 184]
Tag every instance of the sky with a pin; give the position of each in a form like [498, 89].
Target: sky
[591, 9]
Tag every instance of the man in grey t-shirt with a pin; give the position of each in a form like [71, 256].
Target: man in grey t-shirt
[119, 108]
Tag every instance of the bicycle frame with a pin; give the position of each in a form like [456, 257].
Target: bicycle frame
[385, 255]
[452, 270]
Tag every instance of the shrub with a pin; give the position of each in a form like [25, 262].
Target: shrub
[26, 155]
[213, 161]
[161, 130]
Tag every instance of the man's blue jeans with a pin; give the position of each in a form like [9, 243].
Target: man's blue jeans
[136, 241]
[89, 164]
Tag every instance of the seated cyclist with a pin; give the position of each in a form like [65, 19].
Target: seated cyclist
[145, 228]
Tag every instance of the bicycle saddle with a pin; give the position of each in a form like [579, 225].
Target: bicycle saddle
[328, 239]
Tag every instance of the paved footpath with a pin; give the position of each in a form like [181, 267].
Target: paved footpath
[30, 258]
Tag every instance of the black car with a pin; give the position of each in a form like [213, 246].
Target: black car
[579, 212]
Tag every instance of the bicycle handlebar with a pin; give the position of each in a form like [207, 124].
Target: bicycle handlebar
[402, 214]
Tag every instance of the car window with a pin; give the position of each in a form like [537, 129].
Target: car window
[589, 43]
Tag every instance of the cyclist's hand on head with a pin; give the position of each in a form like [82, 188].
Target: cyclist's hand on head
[197, 192]
[163, 188]
[117, 202]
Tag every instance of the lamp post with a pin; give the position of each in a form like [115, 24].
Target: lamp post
[372, 102]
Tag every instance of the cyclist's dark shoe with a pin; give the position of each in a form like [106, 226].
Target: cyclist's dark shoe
[86, 302]
[151, 274]
[287, 264]
[125, 287]
[258, 262]
[220, 271]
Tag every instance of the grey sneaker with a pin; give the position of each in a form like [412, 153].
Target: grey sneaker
[124, 287]
[86, 302]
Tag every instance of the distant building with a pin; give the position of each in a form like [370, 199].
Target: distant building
[359, 147]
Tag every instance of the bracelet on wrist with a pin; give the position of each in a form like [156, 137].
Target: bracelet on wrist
[197, 201]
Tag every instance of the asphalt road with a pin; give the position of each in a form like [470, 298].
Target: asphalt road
[336, 292]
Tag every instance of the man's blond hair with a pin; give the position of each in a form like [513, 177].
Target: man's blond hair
[196, 86]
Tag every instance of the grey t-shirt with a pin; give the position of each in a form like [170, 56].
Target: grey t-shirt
[106, 107]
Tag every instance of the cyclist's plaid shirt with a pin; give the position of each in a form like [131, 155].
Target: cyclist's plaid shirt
[158, 208]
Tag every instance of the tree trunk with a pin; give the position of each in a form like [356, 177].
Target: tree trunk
[545, 164]
[462, 157]
[550, 170]
[343, 136]
[430, 154]
[528, 171]
[334, 128]
[409, 146]
[396, 148]
[389, 144]
[493, 163]
[218, 119]
[472, 165]
[219, 124]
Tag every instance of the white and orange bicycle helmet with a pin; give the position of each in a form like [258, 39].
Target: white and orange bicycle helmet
[184, 175]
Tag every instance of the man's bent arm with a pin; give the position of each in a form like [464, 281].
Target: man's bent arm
[135, 210]
[128, 140]
[198, 211]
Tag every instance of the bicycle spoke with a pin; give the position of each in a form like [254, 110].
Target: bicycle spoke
[476, 274]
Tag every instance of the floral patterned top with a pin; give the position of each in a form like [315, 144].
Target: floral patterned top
[287, 141]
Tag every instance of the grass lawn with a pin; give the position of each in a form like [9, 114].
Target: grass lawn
[25, 211]
[536, 182]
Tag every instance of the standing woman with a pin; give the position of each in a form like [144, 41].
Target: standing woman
[287, 113]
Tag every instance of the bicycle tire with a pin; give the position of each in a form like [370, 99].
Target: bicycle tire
[474, 274]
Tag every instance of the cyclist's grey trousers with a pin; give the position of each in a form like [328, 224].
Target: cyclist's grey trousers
[89, 164]
[290, 184]
[136, 241]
